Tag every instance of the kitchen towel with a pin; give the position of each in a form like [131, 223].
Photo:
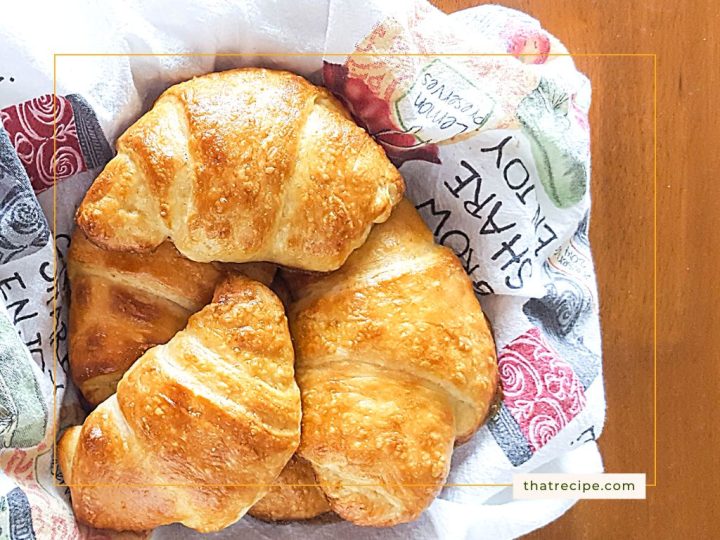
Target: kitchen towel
[484, 113]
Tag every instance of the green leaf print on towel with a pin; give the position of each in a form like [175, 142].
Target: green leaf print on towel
[23, 415]
[559, 155]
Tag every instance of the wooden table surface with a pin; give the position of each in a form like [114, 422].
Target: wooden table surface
[686, 501]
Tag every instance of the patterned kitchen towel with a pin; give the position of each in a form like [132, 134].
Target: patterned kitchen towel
[492, 140]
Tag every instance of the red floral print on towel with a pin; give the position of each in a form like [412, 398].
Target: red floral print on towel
[30, 126]
[541, 391]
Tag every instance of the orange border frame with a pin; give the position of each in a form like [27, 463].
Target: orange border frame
[325, 55]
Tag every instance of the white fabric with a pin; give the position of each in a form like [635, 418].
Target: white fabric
[120, 88]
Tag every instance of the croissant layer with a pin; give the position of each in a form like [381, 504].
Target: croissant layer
[122, 304]
[396, 363]
[198, 426]
[244, 165]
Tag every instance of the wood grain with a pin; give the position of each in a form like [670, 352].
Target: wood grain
[685, 501]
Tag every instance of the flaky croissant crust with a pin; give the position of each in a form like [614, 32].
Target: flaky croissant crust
[122, 304]
[244, 165]
[395, 362]
[198, 427]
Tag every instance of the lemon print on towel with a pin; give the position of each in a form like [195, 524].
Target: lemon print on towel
[560, 155]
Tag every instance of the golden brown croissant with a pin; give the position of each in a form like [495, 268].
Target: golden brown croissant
[124, 303]
[244, 165]
[395, 363]
[295, 496]
[210, 419]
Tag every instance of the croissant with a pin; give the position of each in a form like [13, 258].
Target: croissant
[395, 363]
[125, 303]
[243, 165]
[198, 428]
[295, 495]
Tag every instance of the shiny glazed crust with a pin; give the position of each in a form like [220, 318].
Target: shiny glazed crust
[122, 304]
[243, 165]
[395, 362]
[216, 405]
